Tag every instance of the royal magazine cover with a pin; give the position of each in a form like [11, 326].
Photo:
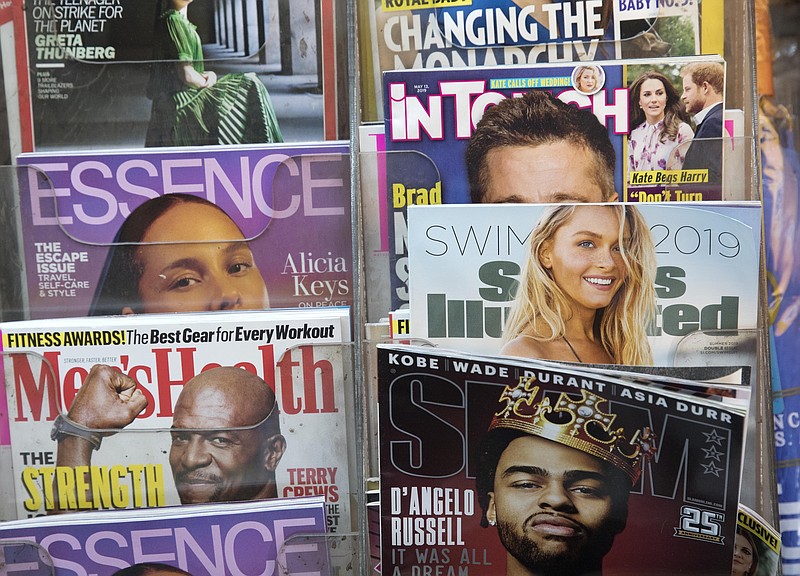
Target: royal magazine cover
[412, 34]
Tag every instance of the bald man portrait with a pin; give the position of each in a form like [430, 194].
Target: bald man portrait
[226, 438]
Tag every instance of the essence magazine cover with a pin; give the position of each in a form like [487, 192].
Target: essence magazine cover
[157, 410]
[629, 284]
[135, 73]
[266, 537]
[493, 466]
[549, 133]
[85, 220]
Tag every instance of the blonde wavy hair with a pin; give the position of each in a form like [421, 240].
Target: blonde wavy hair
[580, 70]
[541, 304]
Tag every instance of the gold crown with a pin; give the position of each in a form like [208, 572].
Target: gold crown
[575, 422]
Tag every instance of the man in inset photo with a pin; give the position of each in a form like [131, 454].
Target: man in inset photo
[554, 479]
[703, 90]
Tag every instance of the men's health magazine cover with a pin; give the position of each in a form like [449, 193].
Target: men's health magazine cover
[156, 410]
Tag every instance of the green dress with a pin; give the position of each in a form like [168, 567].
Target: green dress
[235, 110]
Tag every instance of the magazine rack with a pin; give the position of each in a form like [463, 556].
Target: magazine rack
[305, 48]
[11, 301]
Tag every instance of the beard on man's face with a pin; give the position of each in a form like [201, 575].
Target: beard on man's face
[582, 557]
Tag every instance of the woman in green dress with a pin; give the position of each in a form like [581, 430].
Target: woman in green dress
[193, 106]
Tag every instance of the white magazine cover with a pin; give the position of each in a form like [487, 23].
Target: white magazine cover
[153, 410]
[695, 273]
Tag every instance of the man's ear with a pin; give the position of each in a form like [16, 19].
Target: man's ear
[613, 198]
[620, 508]
[274, 447]
[491, 511]
[620, 523]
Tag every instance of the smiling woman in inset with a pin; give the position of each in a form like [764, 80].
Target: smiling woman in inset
[745, 554]
[659, 124]
[179, 253]
[587, 291]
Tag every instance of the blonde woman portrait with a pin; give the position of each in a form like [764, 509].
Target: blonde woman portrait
[586, 293]
[588, 79]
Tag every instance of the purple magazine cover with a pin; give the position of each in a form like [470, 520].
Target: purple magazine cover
[291, 202]
[223, 539]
